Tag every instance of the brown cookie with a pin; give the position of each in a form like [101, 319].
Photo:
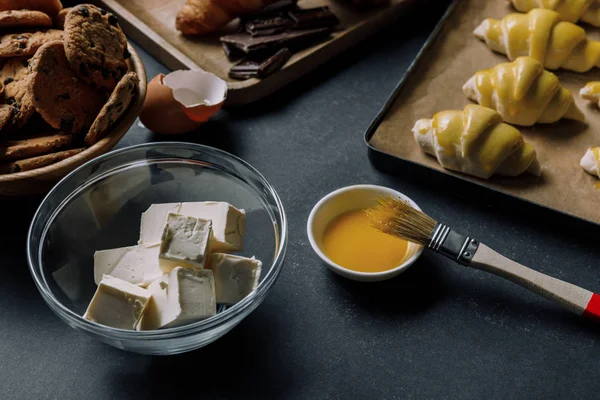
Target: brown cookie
[25, 19]
[16, 76]
[95, 45]
[38, 162]
[5, 115]
[116, 105]
[26, 43]
[33, 147]
[59, 20]
[61, 98]
[50, 7]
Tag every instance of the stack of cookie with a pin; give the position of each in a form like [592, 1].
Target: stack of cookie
[65, 80]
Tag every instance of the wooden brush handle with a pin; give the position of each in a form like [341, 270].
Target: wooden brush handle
[576, 299]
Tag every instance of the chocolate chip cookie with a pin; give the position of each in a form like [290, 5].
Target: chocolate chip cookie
[26, 43]
[96, 46]
[35, 146]
[24, 18]
[40, 161]
[62, 99]
[50, 7]
[15, 75]
[116, 105]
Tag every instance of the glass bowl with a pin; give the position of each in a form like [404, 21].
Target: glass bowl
[99, 206]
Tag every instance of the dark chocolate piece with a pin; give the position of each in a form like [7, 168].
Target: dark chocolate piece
[260, 68]
[317, 17]
[293, 38]
[263, 26]
[232, 52]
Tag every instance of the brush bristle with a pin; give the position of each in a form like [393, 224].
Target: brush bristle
[396, 217]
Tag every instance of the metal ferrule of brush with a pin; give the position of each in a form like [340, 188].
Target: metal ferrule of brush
[452, 244]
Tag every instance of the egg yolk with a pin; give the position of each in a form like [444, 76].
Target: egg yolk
[350, 241]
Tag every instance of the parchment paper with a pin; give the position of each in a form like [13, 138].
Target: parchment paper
[436, 85]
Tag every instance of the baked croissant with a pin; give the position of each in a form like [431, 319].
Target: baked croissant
[523, 93]
[591, 92]
[569, 10]
[198, 17]
[540, 34]
[475, 141]
[590, 162]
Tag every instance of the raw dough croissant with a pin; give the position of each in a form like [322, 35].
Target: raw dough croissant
[523, 93]
[541, 35]
[475, 141]
[590, 161]
[591, 92]
[569, 10]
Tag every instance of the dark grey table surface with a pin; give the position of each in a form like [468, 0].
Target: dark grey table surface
[438, 331]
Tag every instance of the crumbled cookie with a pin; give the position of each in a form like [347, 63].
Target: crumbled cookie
[50, 7]
[25, 19]
[116, 105]
[39, 161]
[15, 76]
[59, 20]
[63, 100]
[95, 45]
[35, 146]
[26, 43]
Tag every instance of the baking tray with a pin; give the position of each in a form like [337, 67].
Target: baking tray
[151, 23]
[419, 166]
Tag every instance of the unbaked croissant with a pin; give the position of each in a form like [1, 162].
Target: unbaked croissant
[591, 92]
[475, 141]
[523, 93]
[541, 35]
[590, 162]
[569, 10]
[199, 17]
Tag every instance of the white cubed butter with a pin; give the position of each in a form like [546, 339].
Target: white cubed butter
[158, 313]
[185, 242]
[235, 276]
[228, 222]
[135, 264]
[153, 221]
[183, 296]
[117, 303]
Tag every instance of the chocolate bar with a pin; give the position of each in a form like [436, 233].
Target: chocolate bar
[292, 38]
[254, 68]
[263, 26]
[232, 52]
[317, 17]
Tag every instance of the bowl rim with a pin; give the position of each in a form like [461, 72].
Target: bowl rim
[349, 273]
[203, 325]
[101, 146]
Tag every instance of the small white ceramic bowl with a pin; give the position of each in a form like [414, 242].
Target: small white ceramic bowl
[351, 198]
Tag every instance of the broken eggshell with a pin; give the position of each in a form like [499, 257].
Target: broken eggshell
[180, 105]
[200, 93]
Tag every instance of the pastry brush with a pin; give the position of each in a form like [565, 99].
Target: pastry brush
[396, 217]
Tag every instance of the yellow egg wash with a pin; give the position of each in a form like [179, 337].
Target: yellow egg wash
[350, 241]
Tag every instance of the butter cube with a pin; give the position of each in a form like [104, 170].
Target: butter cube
[183, 296]
[185, 242]
[158, 313]
[135, 264]
[153, 221]
[235, 276]
[228, 223]
[117, 303]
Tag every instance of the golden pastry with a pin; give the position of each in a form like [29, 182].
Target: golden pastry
[569, 10]
[590, 162]
[542, 35]
[475, 141]
[523, 93]
[591, 92]
[199, 17]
